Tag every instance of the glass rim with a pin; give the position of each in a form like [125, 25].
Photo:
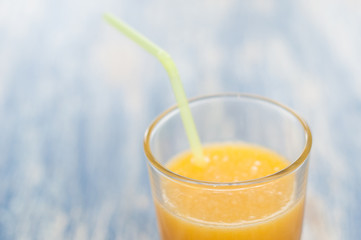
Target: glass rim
[283, 172]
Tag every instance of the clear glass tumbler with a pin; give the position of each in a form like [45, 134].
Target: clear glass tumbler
[269, 207]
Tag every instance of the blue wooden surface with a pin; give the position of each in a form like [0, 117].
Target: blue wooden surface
[76, 98]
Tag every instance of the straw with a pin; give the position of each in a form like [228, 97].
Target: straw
[176, 83]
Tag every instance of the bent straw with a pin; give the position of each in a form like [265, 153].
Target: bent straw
[176, 83]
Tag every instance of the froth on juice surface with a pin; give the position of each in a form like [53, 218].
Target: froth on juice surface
[258, 211]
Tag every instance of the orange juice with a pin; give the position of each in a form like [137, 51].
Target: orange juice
[259, 211]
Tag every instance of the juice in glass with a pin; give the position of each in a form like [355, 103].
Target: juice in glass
[253, 185]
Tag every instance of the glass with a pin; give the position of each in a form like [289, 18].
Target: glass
[262, 211]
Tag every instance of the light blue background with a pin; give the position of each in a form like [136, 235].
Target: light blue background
[76, 97]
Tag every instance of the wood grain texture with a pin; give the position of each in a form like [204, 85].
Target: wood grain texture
[76, 98]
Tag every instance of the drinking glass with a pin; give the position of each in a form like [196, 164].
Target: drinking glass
[270, 207]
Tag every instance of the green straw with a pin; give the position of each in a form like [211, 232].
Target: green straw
[176, 83]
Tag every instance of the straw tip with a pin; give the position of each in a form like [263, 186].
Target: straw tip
[107, 16]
